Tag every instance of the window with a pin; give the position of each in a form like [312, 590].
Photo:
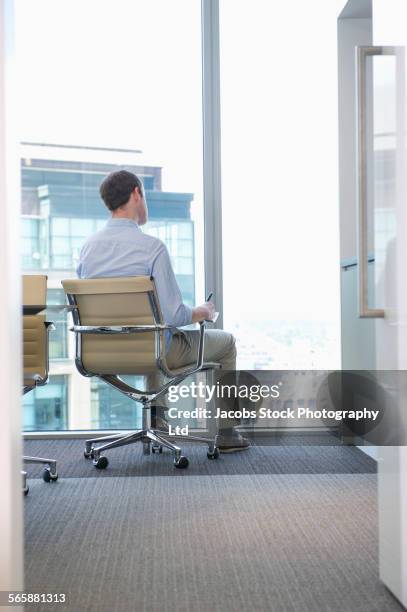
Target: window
[30, 250]
[179, 238]
[66, 237]
[112, 410]
[46, 408]
[58, 338]
[82, 126]
[280, 212]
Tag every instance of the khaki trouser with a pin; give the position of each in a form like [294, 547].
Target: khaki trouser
[219, 347]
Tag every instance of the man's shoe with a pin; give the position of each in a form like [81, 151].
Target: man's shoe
[231, 443]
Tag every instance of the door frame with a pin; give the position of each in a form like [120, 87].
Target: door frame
[11, 511]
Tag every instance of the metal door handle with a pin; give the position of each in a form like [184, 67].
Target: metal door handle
[362, 54]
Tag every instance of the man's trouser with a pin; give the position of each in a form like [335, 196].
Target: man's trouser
[219, 348]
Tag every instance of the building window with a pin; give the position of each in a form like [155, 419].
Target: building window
[46, 408]
[178, 236]
[112, 410]
[30, 251]
[67, 236]
[58, 338]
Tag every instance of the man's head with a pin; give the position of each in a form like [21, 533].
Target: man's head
[123, 194]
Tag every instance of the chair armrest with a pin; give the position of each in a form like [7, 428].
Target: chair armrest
[118, 329]
[33, 377]
[201, 345]
[132, 329]
[199, 362]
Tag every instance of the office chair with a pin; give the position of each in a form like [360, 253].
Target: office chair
[36, 363]
[119, 330]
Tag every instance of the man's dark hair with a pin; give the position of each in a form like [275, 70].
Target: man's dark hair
[117, 187]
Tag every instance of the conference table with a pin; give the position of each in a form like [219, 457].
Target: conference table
[34, 309]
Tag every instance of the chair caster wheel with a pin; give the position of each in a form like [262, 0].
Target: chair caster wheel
[214, 454]
[157, 449]
[181, 463]
[25, 491]
[47, 476]
[101, 463]
[88, 455]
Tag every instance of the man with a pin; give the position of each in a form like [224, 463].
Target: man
[122, 249]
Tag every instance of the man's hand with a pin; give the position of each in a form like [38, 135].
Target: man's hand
[205, 312]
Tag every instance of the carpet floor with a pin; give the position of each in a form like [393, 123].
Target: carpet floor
[229, 541]
[129, 461]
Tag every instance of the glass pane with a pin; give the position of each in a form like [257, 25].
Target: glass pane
[382, 176]
[61, 262]
[185, 248]
[60, 246]
[29, 227]
[46, 408]
[59, 227]
[135, 103]
[279, 182]
[82, 227]
[111, 410]
[182, 265]
[58, 337]
[30, 244]
[26, 246]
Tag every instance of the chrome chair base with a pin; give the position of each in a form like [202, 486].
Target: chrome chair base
[153, 440]
[26, 488]
[49, 473]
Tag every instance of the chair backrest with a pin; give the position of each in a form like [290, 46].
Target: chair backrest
[109, 302]
[35, 337]
[34, 289]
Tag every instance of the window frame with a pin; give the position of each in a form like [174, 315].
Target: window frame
[212, 180]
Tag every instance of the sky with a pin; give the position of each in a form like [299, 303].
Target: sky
[279, 163]
[128, 74]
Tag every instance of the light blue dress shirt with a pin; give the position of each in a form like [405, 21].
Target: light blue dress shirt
[122, 249]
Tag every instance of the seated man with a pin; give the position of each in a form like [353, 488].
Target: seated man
[122, 249]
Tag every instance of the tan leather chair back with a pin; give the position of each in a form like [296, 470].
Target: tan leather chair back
[35, 337]
[116, 301]
[34, 289]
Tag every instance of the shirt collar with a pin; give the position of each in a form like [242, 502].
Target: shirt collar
[113, 221]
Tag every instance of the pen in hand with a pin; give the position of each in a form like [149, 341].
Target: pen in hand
[216, 314]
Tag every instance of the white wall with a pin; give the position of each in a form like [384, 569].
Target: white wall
[11, 556]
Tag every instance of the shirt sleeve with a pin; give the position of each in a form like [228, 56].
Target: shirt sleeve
[174, 311]
[79, 267]
[79, 270]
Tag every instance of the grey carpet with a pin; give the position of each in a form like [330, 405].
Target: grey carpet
[129, 461]
[279, 543]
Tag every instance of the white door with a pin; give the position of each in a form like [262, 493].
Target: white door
[382, 232]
